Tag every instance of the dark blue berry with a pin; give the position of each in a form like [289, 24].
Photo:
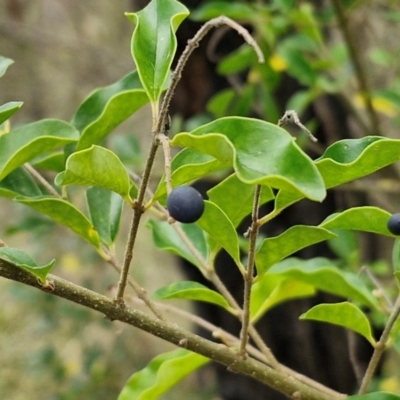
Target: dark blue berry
[393, 224]
[185, 204]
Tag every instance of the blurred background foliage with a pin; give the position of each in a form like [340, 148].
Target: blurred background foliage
[63, 50]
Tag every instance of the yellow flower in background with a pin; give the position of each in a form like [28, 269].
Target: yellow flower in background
[277, 63]
[380, 104]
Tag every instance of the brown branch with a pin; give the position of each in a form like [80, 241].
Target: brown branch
[277, 380]
[361, 73]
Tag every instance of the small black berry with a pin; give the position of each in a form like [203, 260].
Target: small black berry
[185, 204]
[393, 224]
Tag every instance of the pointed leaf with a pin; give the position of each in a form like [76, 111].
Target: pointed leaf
[8, 109]
[375, 396]
[220, 230]
[161, 374]
[28, 142]
[366, 219]
[235, 198]
[154, 43]
[19, 182]
[27, 263]
[106, 108]
[344, 314]
[191, 291]
[166, 238]
[323, 274]
[64, 213]
[187, 166]
[350, 159]
[96, 166]
[105, 209]
[4, 64]
[260, 152]
[273, 290]
[297, 237]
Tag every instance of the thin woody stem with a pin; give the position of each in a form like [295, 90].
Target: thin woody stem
[248, 277]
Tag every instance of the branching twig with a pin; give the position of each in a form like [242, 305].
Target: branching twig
[379, 348]
[159, 120]
[193, 44]
[291, 115]
[248, 278]
[280, 381]
[39, 178]
[140, 292]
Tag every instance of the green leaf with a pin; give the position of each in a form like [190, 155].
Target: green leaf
[260, 152]
[345, 246]
[64, 213]
[297, 237]
[396, 256]
[161, 374]
[221, 232]
[105, 209]
[191, 291]
[367, 219]
[324, 275]
[235, 198]
[154, 43]
[166, 238]
[344, 314]
[96, 166]
[351, 159]
[27, 263]
[270, 291]
[375, 396]
[4, 64]
[8, 109]
[53, 162]
[187, 166]
[106, 108]
[30, 141]
[19, 182]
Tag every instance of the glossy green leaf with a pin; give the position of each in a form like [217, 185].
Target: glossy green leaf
[154, 43]
[350, 159]
[161, 374]
[190, 291]
[344, 314]
[270, 291]
[324, 275]
[27, 263]
[30, 141]
[235, 198]
[375, 396]
[4, 64]
[96, 166]
[19, 182]
[65, 214]
[187, 166]
[220, 230]
[297, 237]
[260, 152]
[8, 109]
[166, 238]
[367, 219]
[106, 108]
[105, 209]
